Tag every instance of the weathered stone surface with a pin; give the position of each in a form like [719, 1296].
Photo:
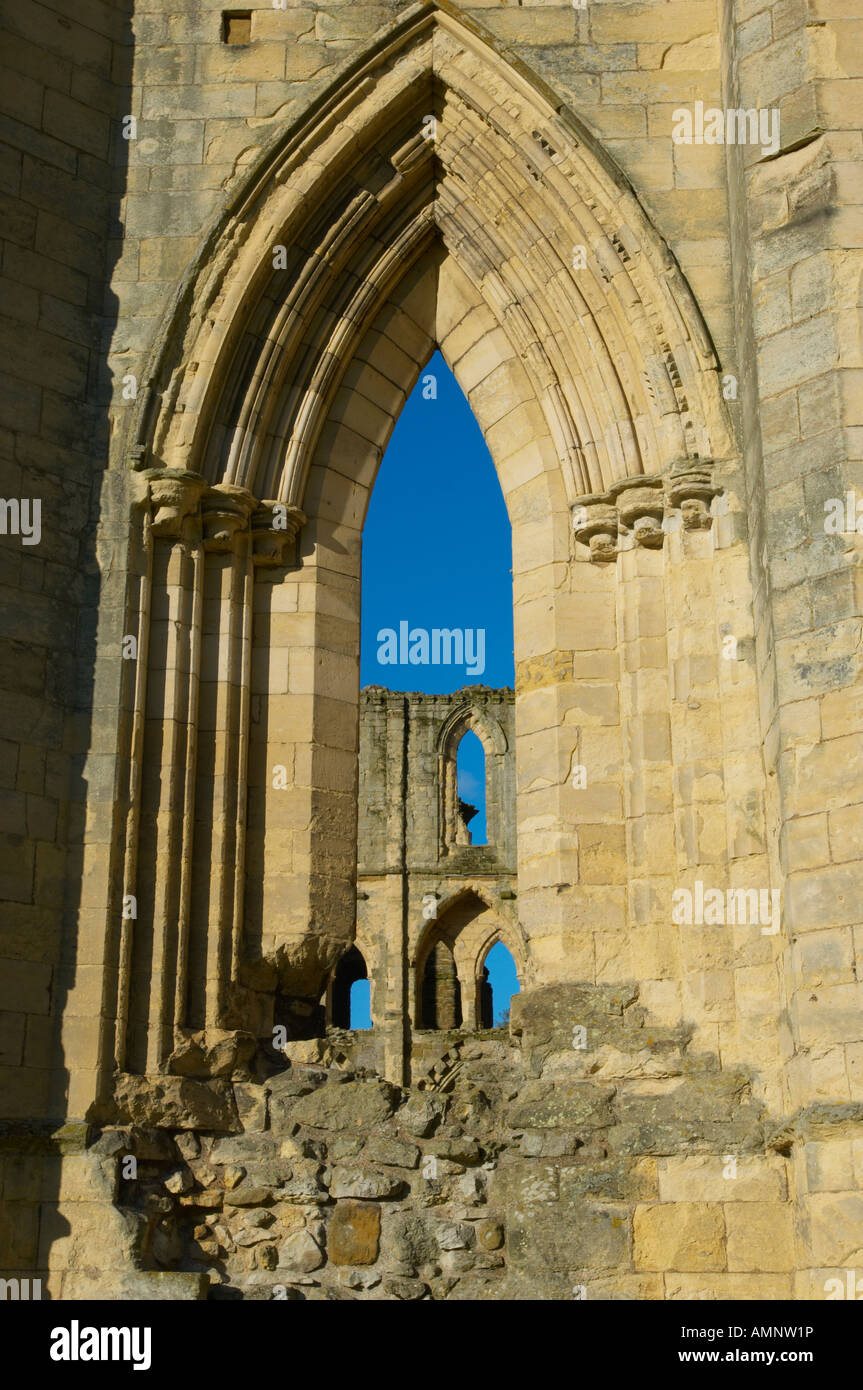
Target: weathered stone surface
[195, 1058]
[251, 1102]
[366, 1183]
[393, 1152]
[189, 1145]
[249, 1237]
[455, 1236]
[354, 1233]
[176, 1103]
[345, 1146]
[420, 1115]
[541, 1104]
[152, 1144]
[180, 1181]
[544, 1018]
[307, 1188]
[673, 409]
[355, 1105]
[361, 1279]
[115, 1141]
[490, 1235]
[407, 1290]
[248, 1196]
[462, 1151]
[148, 1286]
[243, 1149]
[551, 1236]
[411, 1238]
[679, 1236]
[300, 1252]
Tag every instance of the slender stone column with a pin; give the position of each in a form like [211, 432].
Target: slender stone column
[167, 766]
[469, 989]
[646, 860]
[209, 952]
[755, 1037]
[141, 610]
[706, 980]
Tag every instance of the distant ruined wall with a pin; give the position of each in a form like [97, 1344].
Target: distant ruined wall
[413, 879]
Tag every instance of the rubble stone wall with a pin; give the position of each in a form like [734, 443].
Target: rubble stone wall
[520, 1167]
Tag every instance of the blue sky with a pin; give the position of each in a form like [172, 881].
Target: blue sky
[437, 549]
[437, 553]
[503, 979]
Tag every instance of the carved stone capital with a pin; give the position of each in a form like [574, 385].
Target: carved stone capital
[641, 507]
[275, 528]
[225, 512]
[594, 521]
[174, 495]
[692, 489]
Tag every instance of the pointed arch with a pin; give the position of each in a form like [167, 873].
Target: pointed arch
[469, 921]
[487, 995]
[282, 385]
[351, 969]
[614, 355]
[473, 717]
[478, 899]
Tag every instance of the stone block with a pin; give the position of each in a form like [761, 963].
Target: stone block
[679, 1236]
[176, 1103]
[355, 1105]
[697, 1178]
[832, 1225]
[367, 1184]
[353, 1236]
[760, 1237]
[392, 1152]
[577, 1236]
[300, 1252]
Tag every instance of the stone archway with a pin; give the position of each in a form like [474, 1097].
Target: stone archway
[503, 234]
[468, 923]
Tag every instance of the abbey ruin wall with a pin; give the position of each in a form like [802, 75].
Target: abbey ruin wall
[231, 240]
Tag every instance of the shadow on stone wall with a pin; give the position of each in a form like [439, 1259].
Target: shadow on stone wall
[66, 161]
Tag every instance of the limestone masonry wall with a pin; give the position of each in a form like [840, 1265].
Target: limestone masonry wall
[230, 240]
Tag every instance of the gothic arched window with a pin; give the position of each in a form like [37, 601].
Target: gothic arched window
[350, 1005]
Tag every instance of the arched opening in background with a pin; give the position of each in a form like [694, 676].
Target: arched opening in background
[361, 1006]
[470, 762]
[497, 983]
[441, 992]
[350, 996]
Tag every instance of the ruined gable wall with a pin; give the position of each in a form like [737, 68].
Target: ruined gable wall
[204, 111]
